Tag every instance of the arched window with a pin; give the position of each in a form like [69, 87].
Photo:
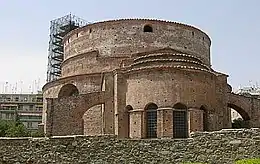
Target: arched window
[180, 121]
[68, 90]
[128, 108]
[151, 120]
[148, 28]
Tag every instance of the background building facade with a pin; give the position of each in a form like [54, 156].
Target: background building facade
[27, 107]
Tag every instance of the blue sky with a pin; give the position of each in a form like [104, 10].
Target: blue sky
[233, 25]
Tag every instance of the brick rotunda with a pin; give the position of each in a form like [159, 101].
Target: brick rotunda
[138, 78]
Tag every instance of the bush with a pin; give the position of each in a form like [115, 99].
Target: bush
[12, 129]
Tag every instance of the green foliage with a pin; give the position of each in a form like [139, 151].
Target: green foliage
[248, 161]
[13, 129]
[239, 123]
[192, 163]
[4, 126]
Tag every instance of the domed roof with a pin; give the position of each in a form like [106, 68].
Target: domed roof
[169, 59]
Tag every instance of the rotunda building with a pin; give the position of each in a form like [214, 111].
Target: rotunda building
[136, 78]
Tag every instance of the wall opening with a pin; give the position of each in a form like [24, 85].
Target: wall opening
[180, 121]
[148, 28]
[239, 117]
[128, 108]
[127, 119]
[68, 90]
[205, 118]
[151, 120]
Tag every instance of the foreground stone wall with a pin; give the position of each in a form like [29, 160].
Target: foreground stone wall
[224, 146]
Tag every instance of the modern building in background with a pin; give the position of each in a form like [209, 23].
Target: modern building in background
[250, 91]
[25, 107]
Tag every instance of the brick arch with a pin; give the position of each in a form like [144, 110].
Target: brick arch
[150, 106]
[180, 106]
[65, 114]
[241, 104]
[240, 110]
[91, 99]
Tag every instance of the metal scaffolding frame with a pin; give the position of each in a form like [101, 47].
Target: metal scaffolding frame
[58, 29]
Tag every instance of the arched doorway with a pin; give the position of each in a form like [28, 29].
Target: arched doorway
[180, 121]
[151, 120]
[68, 90]
[205, 118]
[238, 116]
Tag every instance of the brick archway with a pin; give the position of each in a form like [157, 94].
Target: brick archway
[240, 110]
[64, 115]
[241, 104]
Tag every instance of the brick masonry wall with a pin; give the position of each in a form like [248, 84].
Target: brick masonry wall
[93, 121]
[125, 37]
[89, 63]
[224, 146]
[166, 88]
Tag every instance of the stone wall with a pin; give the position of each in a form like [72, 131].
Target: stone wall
[224, 146]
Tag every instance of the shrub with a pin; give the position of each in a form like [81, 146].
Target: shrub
[12, 129]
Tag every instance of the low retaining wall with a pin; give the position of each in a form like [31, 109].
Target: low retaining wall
[218, 147]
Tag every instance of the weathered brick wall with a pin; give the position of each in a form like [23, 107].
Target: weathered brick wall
[89, 63]
[93, 121]
[65, 116]
[248, 107]
[125, 37]
[196, 119]
[213, 147]
[166, 88]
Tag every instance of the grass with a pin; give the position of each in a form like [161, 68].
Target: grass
[192, 163]
[243, 161]
[248, 161]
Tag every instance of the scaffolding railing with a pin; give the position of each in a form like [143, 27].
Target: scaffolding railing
[58, 29]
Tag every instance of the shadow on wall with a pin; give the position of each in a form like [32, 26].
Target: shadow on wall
[68, 90]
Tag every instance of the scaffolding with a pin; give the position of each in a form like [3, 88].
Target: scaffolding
[58, 29]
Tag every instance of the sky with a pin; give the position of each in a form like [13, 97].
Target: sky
[233, 26]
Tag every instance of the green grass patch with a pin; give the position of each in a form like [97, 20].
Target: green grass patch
[248, 161]
[192, 163]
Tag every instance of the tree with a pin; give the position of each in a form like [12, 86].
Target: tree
[12, 129]
[4, 126]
